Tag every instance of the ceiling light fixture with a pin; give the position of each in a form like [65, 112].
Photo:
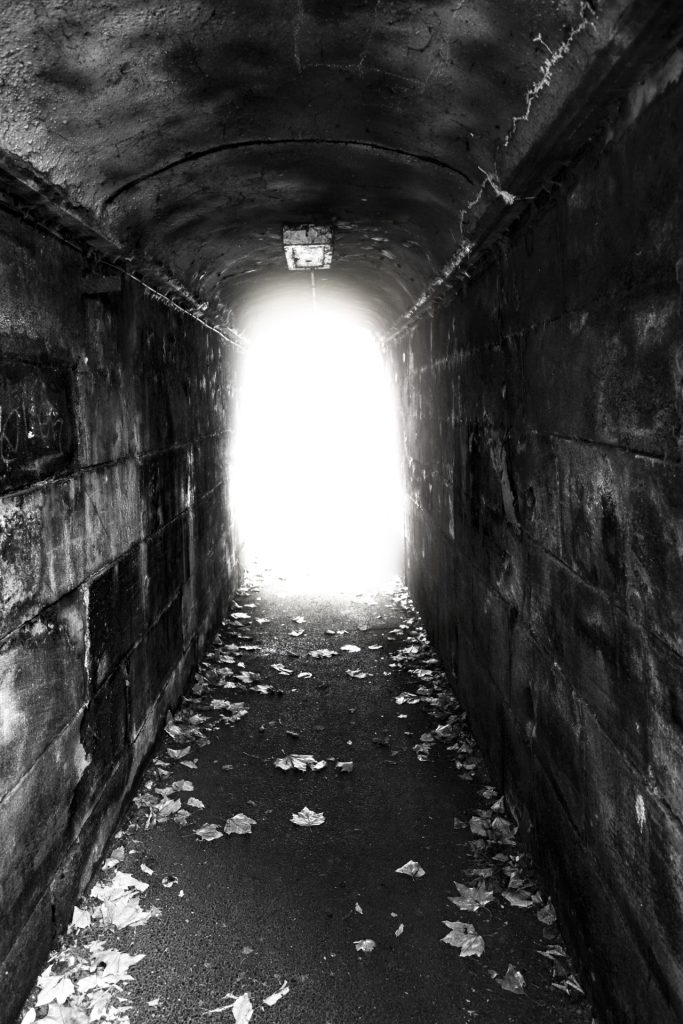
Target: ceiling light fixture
[307, 246]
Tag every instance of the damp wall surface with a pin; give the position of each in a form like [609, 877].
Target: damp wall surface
[542, 417]
[117, 558]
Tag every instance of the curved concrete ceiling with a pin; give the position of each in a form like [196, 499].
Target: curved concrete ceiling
[191, 131]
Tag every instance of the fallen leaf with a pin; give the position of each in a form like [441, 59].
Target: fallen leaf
[521, 899]
[399, 930]
[168, 880]
[80, 919]
[308, 817]
[242, 1009]
[299, 761]
[513, 981]
[208, 832]
[183, 786]
[55, 988]
[411, 868]
[350, 648]
[296, 632]
[355, 673]
[239, 825]
[358, 908]
[29, 1017]
[546, 915]
[364, 945]
[177, 755]
[324, 652]
[66, 1014]
[277, 996]
[194, 802]
[281, 669]
[344, 766]
[471, 898]
[305, 675]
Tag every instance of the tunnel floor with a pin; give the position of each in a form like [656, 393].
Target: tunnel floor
[238, 916]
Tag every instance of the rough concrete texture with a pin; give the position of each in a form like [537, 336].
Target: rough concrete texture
[543, 439]
[115, 561]
[189, 132]
[245, 913]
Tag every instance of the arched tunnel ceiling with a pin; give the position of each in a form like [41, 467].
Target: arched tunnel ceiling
[190, 132]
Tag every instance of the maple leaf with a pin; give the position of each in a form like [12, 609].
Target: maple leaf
[411, 868]
[208, 832]
[513, 981]
[299, 761]
[178, 755]
[471, 898]
[55, 988]
[521, 898]
[183, 786]
[307, 817]
[464, 937]
[238, 825]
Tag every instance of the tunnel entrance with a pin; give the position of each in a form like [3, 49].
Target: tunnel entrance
[317, 490]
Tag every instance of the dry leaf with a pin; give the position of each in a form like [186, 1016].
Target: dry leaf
[177, 755]
[208, 832]
[238, 825]
[277, 996]
[344, 766]
[513, 981]
[194, 802]
[55, 988]
[399, 930]
[411, 868]
[471, 898]
[299, 761]
[364, 945]
[80, 919]
[350, 648]
[308, 817]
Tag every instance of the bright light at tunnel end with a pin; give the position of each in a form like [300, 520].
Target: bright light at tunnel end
[315, 463]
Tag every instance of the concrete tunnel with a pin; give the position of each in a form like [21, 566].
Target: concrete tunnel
[499, 186]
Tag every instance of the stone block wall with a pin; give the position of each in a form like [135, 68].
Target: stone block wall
[542, 413]
[117, 558]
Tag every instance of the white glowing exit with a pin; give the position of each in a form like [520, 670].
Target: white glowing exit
[316, 479]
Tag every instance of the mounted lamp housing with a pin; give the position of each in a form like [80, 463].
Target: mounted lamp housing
[307, 246]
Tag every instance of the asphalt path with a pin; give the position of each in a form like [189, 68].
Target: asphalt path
[286, 903]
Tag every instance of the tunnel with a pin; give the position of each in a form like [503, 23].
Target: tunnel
[481, 198]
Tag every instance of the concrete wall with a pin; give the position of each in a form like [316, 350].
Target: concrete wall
[116, 560]
[543, 413]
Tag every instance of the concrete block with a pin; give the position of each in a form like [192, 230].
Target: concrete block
[116, 614]
[37, 431]
[42, 686]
